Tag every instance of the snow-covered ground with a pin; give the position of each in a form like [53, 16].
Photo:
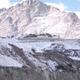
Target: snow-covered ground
[68, 43]
[8, 61]
[39, 47]
[75, 58]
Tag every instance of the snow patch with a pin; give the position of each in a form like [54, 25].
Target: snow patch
[75, 58]
[8, 61]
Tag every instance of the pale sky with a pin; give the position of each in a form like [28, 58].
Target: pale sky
[72, 5]
[4, 3]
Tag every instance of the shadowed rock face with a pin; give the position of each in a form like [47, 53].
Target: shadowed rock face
[20, 52]
[63, 62]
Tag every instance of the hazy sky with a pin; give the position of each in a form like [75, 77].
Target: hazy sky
[73, 5]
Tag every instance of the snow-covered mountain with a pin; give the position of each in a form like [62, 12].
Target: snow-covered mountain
[33, 53]
[35, 17]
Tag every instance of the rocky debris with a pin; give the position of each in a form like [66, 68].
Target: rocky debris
[9, 73]
[37, 35]
[50, 63]
[72, 52]
[58, 53]
[60, 48]
[55, 55]
[20, 52]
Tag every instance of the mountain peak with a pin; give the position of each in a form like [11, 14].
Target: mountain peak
[35, 17]
[30, 2]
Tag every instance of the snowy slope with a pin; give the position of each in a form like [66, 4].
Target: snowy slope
[8, 61]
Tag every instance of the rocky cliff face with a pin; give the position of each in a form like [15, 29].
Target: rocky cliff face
[35, 17]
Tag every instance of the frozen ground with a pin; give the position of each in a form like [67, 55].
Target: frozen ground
[68, 43]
